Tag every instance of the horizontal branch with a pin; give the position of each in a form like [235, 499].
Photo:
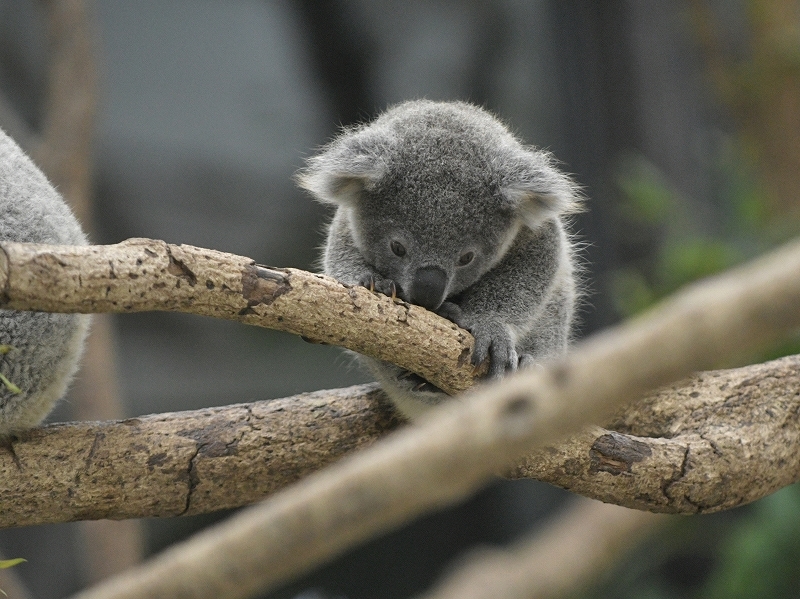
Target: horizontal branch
[182, 463]
[140, 275]
[680, 450]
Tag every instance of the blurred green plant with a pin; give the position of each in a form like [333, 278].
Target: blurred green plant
[761, 555]
[688, 246]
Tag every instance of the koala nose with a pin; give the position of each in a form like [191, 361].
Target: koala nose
[428, 287]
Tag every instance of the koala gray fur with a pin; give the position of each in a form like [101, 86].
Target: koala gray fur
[43, 349]
[438, 203]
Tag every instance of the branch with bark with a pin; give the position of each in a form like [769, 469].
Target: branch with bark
[148, 275]
[680, 450]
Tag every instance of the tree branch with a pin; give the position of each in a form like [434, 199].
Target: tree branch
[145, 275]
[183, 463]
[567, 555]
[679, 450]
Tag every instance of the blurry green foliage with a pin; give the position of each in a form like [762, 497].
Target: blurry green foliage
[761, 556]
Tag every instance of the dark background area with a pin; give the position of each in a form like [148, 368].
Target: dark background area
[208, 108]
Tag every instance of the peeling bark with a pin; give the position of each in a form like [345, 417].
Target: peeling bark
[182, 463]
[660, 454]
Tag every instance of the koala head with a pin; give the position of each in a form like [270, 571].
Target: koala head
[435, 194]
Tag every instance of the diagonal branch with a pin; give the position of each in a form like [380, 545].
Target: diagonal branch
[144, 275]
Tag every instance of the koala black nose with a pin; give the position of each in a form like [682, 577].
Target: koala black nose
[428, 287]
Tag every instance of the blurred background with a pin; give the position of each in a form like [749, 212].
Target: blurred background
[680, 119]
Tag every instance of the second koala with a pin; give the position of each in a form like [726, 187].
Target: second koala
[39, 352]
[438, 203]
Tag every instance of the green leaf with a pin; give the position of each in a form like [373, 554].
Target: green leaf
[8, 563]
[9, 385]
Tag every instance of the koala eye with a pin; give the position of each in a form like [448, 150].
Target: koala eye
[466, 258]
[398, 249]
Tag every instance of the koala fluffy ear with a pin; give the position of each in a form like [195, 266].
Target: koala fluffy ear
[343, 170]
[537, 190]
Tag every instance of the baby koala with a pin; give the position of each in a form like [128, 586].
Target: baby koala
[39, 352]
[438, 203]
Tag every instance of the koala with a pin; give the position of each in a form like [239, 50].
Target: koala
[39, 352]
[437, 203]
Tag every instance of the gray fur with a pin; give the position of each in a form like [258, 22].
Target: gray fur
[44, 348]
[446, 180]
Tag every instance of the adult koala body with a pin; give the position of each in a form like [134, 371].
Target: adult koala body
[39, 352]
[441, 205]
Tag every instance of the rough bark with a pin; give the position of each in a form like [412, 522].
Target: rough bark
[680, 450]
[182, 463]
[145, 275]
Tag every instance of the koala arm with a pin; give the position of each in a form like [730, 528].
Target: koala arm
[505, 305]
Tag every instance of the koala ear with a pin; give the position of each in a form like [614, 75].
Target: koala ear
[343, 170]
[537, 190]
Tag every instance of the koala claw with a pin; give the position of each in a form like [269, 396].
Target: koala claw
[527, 361]
[378, 284]
[493, 341]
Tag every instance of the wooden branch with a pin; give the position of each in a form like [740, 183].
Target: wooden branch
[64, 152]
[569, 554]
[679, 450]
[183, 463]
[454, 451]
[145, 275]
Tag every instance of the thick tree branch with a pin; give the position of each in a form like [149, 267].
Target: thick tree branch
[680, 450]
[183, 463]
[144, 275]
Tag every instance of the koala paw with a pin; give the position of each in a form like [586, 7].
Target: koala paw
[377, 283]
[493, 340]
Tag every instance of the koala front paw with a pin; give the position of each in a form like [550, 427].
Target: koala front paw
[493, 340]
[375, 282]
